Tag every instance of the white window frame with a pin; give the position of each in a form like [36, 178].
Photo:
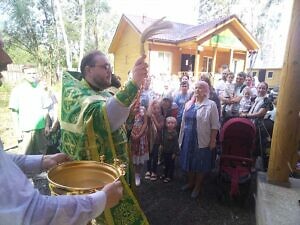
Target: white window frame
[270, 71]
[163, 61]
[207, 63]
[236, 64]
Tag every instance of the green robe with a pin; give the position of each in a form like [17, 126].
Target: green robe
[86, 134]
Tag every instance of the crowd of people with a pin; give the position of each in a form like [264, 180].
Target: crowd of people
[141, 128]
[196, 110]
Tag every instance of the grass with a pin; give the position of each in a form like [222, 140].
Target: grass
[7, 133]
[4, 95]
[6, 125]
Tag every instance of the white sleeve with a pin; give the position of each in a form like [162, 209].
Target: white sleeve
[181, 133]
[214, 116]
[29, 164]
[14, 99]
[117, 113]
[20, 203]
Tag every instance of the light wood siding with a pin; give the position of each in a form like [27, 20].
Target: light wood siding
[275, 80]
[225, 39]
[205, 53]
[222, 58]
[239, 55]
[126, 54]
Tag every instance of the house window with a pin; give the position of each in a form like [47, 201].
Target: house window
[253, 74]
[160, 62]
[270, 74]
[207, 64]
[238, 65]
[234, 66]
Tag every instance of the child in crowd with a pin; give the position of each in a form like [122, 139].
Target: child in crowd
[139, 142]
[228, 94]
[166, 106]
[170, 148]
[166, 109]
[245, 103]
[156, 123]
[133, 111]
[229, 86]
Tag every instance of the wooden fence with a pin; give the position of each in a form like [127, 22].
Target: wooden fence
[13, 74]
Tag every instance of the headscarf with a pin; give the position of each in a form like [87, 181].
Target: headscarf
[193, 98]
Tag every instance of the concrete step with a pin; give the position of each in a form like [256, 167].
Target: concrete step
[277, 205]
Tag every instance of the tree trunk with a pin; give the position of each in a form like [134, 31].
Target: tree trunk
[286, 129]
[64, 34]
[82, 33]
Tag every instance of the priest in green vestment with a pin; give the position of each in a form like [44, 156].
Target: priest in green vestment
[92, 122]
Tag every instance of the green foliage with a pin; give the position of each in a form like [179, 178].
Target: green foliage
[258, 16]
[19, 56]
[5, 91]
[32, 34]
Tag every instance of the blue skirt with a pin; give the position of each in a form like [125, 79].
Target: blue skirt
[192, 158]
[195, 159]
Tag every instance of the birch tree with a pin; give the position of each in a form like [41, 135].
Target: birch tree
[58, 10]
[82, 32]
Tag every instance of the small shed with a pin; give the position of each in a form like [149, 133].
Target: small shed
[4, 59]
[271, 75]
[184, 48]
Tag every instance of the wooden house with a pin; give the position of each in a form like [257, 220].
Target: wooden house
[184, 48]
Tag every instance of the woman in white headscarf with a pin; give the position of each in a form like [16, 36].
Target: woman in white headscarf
[197, 138]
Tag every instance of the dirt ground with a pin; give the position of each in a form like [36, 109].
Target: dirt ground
[166, 204]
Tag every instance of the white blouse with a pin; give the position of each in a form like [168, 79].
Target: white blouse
[207, 118]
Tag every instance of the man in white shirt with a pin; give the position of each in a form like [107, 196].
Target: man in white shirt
[220, 86]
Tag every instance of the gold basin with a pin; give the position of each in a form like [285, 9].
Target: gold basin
[81, 177]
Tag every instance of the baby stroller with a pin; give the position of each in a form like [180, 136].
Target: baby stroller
[237, 139]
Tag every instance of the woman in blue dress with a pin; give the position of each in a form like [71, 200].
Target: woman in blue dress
[197, 138]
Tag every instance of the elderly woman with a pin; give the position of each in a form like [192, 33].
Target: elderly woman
[261, 106]
[197, 137]
[212, 93]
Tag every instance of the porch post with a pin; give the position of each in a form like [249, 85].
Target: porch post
[230, 64]
[287, 126]
[214, 60]
[197, 62]
[246, 61]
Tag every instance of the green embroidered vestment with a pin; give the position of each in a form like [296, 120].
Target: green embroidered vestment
[86, 135]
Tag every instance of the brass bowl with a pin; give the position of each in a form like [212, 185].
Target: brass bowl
[81, 177]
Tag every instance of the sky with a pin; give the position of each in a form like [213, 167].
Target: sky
[183, 11]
